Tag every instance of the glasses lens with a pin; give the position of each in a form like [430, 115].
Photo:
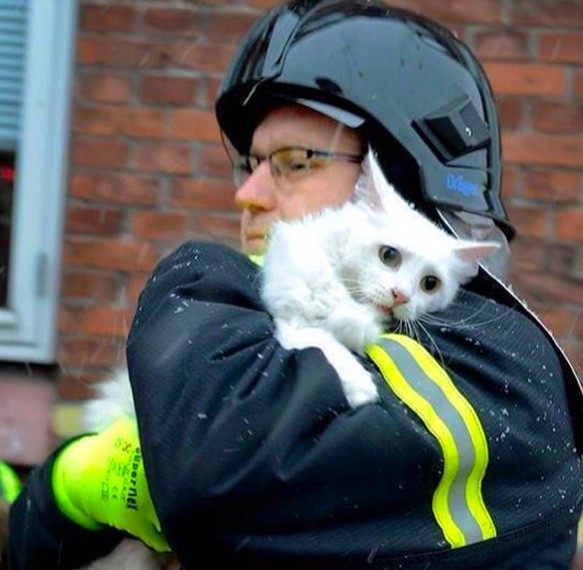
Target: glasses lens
[290, 164]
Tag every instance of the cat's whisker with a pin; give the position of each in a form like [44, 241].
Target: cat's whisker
[435, 351]
[469, 322]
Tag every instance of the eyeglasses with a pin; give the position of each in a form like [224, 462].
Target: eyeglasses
[287, 165]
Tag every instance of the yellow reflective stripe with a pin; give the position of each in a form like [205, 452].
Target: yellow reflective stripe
[418, 380]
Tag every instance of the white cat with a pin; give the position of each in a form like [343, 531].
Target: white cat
[335, 279]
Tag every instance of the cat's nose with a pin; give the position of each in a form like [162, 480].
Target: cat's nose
[399, 297]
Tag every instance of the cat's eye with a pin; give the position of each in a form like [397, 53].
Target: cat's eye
[390, 256]
[287, 165]
[430, 284]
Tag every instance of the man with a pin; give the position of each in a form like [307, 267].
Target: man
[253, 457]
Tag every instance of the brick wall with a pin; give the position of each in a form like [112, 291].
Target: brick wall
[148, 170]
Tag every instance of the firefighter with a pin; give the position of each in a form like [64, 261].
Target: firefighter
[254, 459]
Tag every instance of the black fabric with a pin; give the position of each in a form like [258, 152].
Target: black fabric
[254, 457]
[42, 538]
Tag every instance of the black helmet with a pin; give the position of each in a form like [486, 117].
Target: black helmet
[424, 100]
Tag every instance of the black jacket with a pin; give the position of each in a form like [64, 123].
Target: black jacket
[255, 459]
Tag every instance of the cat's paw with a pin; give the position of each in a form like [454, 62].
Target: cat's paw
[358, 386]
[355, 328]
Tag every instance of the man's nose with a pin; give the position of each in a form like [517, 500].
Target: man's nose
[257, 190]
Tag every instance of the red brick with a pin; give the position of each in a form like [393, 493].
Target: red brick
[110, 254]
[561, 47]
[168, 90]
[99, 18]
[221, 228]
[193, 124]
[562, 260]
[579, 85]
[475, 11]
[219, 3]
[201, 57]
[578, 325]
[558, 321]
[543, 149]
[550, 289]
[106, 87]
[25, 420]
[77, 385]
[117, 53]
[560, 118]
[161, 226]
[263, 4]
[184, 21]
[530, 221]
[213, 85]
[511, 183]
[559, 186]
[103, 321]
[96, 286]
[501, 44]
[165, 157]
[511, 112]
[118, 121]
[135, 286]
[98, 152]
[91, 220]
[135, 190]
[203, 194]
[526, 78]
[528, 254]
[552, 13]
[89, 351]
[574, 352]
[215, 163]
[229, 25]
[570, 224]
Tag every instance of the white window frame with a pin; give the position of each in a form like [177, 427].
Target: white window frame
[28, 326]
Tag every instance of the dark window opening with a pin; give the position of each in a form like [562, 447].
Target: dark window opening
[7, 176]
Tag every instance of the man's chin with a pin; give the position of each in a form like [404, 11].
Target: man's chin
[253, 246]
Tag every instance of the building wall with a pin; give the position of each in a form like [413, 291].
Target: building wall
[147, 169]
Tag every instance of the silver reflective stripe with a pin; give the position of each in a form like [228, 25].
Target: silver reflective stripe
[418, 380]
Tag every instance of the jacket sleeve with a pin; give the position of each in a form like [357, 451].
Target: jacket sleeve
[40, 536]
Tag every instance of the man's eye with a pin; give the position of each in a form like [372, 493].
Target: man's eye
[297, 165]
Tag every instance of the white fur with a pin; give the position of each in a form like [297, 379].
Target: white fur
[324, 283]
[113, 400]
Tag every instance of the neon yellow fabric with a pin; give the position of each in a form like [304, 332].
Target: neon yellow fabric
[430, 394]
[256, 258]
[99, 480]
[10, 483]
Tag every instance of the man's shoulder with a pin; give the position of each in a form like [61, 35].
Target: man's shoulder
[202, 255]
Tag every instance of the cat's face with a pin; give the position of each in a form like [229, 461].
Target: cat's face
[401, 284]
[404, 273]
[397, 260]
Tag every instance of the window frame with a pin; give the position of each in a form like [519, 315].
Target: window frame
[28, 325]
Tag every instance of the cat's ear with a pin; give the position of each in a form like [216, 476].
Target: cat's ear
[374, 190]
[475, 250]
[470, 253]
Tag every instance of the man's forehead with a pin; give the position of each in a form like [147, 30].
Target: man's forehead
[292, 124]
